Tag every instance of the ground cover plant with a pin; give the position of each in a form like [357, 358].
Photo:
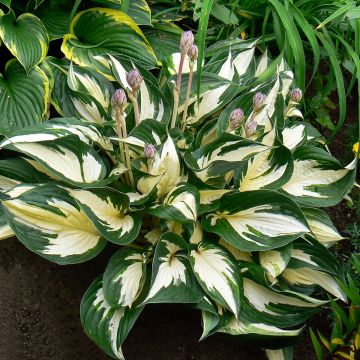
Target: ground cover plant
[213, 193]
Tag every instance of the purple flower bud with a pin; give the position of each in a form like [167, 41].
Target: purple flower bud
[236, 117]
[296, 95]
[258, 101]
[187, 39]
[134, 79]
[193, 52]
[149, 151]
[250, 128]
[119, 99]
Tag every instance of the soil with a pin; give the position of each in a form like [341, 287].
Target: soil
[39, 312]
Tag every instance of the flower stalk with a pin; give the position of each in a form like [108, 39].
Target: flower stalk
[187, 39]
[119, 102]
[134, 79]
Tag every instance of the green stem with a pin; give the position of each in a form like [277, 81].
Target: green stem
[188, 92]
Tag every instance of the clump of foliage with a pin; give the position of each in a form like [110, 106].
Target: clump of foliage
[212, 194]
[345, 336]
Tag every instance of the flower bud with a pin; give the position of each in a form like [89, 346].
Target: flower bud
[149, 151]
[193, 52]
[119, 99]
[236, 117]
[187, 39]
[258, 101]
[134, 79]
[296, 95]
[250, 128]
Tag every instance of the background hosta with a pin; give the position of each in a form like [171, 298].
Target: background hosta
[213, 200]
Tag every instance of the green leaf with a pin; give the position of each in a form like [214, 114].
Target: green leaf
[24, 97]
[180, 204]
[14, 171]
[340, 84]
[340, 11]
[106, 326]
[47, 220]
[317, 346]
[256, 331]
[139, 10]
[5, 229]
[275, 261]
[152, 102]
[172, 278]
[6, 3]
[67, 158]
[218, 274]
[318, 178]
[267, 170]
[26, 38]
[54, 14]
[109, 211]
[201, 37]
[286, 353]
[321, 226]
[294, 41]
[257, 220]
[124, 277]
[112, 32]
[226, 153]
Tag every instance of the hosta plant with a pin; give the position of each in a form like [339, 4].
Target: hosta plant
[213, 200]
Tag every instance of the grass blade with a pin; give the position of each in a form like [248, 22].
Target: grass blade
[317, 346]
[337, 13]
[294, 40]
[339, 84]
[201, 36]
[309, 33]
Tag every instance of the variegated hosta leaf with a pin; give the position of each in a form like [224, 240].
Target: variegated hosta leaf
[5, 229]
[164, 171]
[217, 158]
[26, 38]
[14, 171]
[152, 102]
[80, 92]
[24, 97]
[209, 322]
[318, 178]
[148, 132]
[305, 277]
[310, 253]
[232, 69]
[181, 204]
[89, 82]
[275, 261]
[172, 277]
[109, 211]
[106, 326]
[258, 331]
[218, 274]
[47, 220]
[139, 10]
[124, 277]
[286, 353]
[294, 134]
[257, 220]
[112, 32]
[321, 226]
[263, 305]
[267, 170]
[88, 133]
[210, 199]
[66, 158]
